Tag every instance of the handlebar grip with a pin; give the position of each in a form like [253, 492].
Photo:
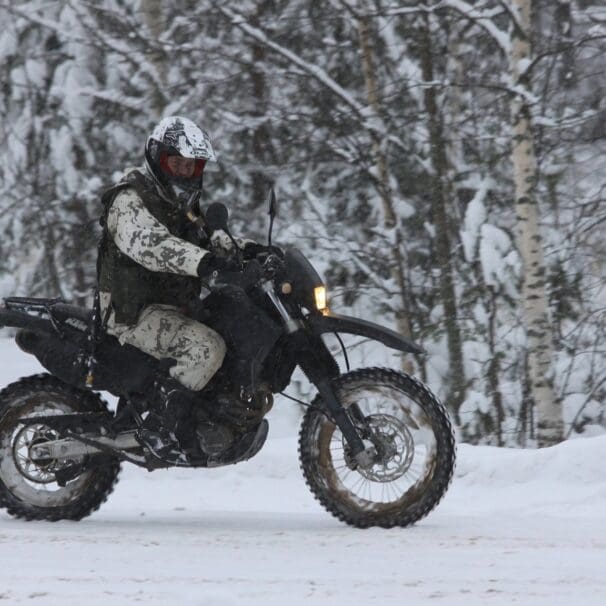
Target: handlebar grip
[272, 266]
[245, 279]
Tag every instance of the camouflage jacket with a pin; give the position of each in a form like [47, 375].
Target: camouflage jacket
[149, 251]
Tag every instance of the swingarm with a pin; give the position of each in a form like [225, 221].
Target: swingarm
[93, 438]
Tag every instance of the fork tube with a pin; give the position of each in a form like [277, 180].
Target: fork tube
[316, 371]
[290, 323]
[340, 417]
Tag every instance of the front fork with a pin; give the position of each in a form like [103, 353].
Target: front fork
[363, 456]
[316, 371]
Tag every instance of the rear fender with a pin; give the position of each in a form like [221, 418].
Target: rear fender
[22, 319]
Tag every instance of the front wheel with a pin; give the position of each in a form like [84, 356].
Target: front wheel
[411, 435]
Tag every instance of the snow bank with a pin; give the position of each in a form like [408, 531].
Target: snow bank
[572, 462]
[566, 480]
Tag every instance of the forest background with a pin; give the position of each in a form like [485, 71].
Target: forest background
[442, 163]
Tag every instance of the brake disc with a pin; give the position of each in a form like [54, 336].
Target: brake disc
[394, 444]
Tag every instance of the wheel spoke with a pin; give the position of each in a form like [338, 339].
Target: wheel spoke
[413, 450]
[403, 440]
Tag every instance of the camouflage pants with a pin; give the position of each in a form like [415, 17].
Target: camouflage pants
[163, 332]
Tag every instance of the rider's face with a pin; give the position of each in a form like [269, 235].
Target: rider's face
[181, 167]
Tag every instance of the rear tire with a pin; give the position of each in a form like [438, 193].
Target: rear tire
[27, 488]
[413, 432]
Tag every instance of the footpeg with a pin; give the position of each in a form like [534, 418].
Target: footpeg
[161, 445]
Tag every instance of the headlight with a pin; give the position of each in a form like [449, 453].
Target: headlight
[320, 299]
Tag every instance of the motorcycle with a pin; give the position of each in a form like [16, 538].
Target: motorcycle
[376, 447]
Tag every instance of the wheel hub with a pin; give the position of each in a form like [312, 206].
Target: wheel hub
[394, 445]
[41, 471]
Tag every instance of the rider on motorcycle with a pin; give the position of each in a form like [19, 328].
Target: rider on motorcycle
[375, 445]
[151, 262]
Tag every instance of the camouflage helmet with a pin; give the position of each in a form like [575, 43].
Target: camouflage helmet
[177, 136]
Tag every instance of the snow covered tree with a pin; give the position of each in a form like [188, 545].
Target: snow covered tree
[530, 242]
[48, 165]
[386, 128]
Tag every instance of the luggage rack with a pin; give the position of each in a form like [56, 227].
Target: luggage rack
[31, 304]
[37, 307]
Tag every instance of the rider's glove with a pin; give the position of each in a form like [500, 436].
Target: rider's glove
[252, 250]
[273, 265]
[210, 263]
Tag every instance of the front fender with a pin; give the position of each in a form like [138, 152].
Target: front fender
[354, 326]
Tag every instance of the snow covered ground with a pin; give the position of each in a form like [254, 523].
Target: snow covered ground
[523, 527]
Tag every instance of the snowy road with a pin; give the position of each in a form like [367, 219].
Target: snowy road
[521, 527]
[246, 558]
[253, 535]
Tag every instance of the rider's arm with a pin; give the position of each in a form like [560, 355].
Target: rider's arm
[140, 236]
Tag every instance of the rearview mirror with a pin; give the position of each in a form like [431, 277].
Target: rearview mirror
[216, 217]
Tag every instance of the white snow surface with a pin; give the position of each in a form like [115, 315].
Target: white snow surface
[516, 527]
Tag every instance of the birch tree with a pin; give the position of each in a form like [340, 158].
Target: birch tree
[530, 242]
[516, 46]
[48, 162]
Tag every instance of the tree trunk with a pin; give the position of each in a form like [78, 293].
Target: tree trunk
[152, 13]
[261, 140]
[456, 70]
[456, 378]
[494, 368]
[563, 20]
[534, 300]
[390, 218]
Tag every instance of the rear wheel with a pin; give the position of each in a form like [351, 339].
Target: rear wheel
[28, 487]
[413, 440]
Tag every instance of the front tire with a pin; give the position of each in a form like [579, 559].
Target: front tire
[28, 489]
[412, 432]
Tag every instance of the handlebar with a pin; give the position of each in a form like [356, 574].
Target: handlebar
[256, 273]
[253, 272]
[272, 265]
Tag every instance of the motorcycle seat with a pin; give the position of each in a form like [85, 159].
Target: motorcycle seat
[63, 311]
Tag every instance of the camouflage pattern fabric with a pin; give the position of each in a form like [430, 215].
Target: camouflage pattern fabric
[140, 236]
[163, 332]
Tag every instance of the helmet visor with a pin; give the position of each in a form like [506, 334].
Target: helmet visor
[176, 166]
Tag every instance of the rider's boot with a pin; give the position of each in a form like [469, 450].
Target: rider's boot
[160, 442]
[164, 431]
[179, 425]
